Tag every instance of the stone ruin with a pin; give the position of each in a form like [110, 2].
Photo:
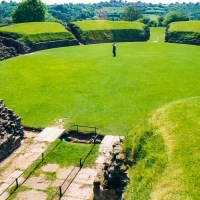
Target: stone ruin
[11, 131]
[112, 179]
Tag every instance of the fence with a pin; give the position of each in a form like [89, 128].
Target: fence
[61, 190]
[30, 169]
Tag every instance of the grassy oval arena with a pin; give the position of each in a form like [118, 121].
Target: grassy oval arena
[86, 85]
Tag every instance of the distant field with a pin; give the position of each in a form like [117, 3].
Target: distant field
[38, 31]
[107, 25]
[166, 150]
[151, 16]
[114, 9]
[186, 26]
[87, 86]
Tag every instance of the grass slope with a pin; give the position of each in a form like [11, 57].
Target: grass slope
[87, 86]
[98, 31]
[186, 26]
[38, 31]
[165, 150]
[107, 25]
[184, 32]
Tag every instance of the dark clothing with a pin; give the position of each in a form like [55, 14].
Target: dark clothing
[114, 50]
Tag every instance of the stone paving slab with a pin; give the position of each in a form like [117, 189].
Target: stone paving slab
[24, 161]
[49, 134]
[38, 183]
[11, 179]
[79, 191]
[70, 198]
[31, 195]
[100, 160]
[4, 196]
[50, 168]
[3, 187]
[13, 176]
[64, 173]
[86, 176]
[107, 143]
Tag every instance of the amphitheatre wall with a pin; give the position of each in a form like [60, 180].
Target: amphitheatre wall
[11, 131]
[106, 36]
[182, 37]
[10, 46]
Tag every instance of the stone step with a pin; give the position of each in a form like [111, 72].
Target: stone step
[49, 134]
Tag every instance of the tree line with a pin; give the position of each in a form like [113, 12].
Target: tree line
[35, 10]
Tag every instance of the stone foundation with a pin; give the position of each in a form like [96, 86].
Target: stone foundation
[112, 178]
[11, 131]
[11, 46]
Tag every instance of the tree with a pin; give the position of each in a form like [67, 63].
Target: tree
[160, 20]
[144, 20]
[29, 11]
[174, 16]
[131, 13]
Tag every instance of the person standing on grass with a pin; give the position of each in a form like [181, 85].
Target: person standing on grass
[114, 50]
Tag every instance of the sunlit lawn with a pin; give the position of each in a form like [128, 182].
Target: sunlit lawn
[87, 86]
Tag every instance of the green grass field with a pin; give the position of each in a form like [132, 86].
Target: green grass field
[186, 26]
[38, 31]
[107, 25]
[166, 153]
[87, 86]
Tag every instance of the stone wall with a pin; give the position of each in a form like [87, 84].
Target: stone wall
[52, 44]
[112, 179]
[11, 47]
[182, 37]
[108, 36]
[11, 131]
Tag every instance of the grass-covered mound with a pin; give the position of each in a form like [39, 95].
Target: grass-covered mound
[98, 31]
[187, 32]
[37, 32]
[165, 153]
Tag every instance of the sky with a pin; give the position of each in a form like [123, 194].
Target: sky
[96, 1]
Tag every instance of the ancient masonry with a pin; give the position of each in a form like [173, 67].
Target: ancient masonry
[11, 131]
[112, 178]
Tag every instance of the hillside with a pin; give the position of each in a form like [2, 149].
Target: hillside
[187, 32]
[165, 152]
[98, 31]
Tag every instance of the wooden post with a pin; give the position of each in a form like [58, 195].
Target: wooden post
[80, 163]
[42, 156]
[17, 184]
[60, 188]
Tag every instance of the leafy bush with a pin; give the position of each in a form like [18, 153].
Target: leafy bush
[174, 16]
